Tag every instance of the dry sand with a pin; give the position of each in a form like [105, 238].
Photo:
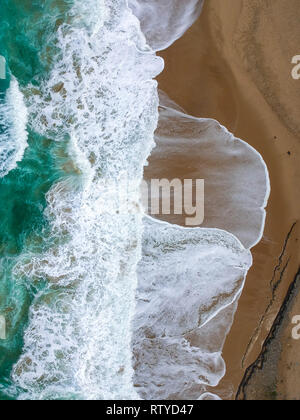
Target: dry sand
[234, 65]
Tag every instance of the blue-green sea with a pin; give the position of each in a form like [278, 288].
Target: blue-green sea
[72, 116]
[26, 45]
[98, 300]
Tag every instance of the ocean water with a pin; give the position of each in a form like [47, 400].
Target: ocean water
[69, 267]
[100, 304]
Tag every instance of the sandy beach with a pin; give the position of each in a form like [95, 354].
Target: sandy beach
[100, 302]
[234, 65]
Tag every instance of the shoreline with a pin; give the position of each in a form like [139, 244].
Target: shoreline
[218, 70]
[267, 377]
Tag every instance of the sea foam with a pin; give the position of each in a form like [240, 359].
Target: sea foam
[100, 96]
[84, 324]
[237, 184]
[164, 21]
[189, 284]
[13, 129]
[190, 280]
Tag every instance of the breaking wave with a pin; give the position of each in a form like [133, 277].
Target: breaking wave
[13, 132]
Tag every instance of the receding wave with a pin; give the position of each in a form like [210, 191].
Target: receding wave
[237, 184]
[189, 282]
[178, 346]
[163, 22]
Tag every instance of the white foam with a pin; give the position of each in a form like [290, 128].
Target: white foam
[189, 283]
[13, 136]
[208, 396]
[190, 280]
[237, 185]
[165, 21]
[101, 96]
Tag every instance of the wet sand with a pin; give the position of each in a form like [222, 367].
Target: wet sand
[275, 374]
[234, 65]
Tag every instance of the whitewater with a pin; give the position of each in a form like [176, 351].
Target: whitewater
[114, 305]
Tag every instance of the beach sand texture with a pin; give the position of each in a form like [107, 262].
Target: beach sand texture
[234, 65]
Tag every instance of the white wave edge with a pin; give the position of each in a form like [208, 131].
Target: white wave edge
[14, 115]
[176, 110]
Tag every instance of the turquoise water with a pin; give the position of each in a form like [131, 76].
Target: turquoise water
[27, 46]
[84, 285]
[72, 116]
